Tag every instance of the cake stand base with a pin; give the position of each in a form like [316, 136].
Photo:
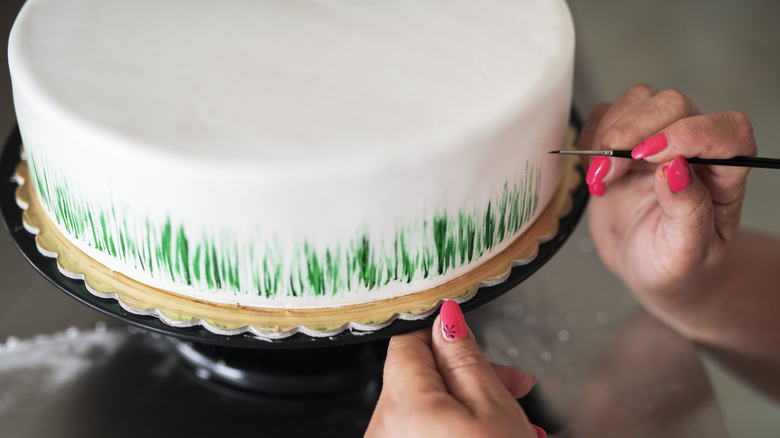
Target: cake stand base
[289, 373]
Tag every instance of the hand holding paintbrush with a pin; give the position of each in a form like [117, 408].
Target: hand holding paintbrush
[670, 230]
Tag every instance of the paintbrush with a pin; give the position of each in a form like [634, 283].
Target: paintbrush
[739, 161]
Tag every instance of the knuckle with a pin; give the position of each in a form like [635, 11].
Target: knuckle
[744, 127]
[640, 92]
[740, 119]
[676, 99]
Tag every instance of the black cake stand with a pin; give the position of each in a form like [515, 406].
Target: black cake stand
[343, 360]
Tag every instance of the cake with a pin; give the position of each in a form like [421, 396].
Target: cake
[292, 154]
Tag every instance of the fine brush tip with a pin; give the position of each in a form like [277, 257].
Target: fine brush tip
[578, 152]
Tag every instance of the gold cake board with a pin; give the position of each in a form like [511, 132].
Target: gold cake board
[274, 323]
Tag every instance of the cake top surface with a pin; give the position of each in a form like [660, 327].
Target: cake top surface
[283, 81]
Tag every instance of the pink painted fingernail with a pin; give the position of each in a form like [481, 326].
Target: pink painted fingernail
[678, 174]
[651, 146]
[539, 431]
[598, 169]
[453, 324]
[597, 189]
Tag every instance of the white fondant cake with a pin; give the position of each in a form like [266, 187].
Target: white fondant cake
[292, 153]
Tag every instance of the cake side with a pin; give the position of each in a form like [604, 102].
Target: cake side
[258, 230]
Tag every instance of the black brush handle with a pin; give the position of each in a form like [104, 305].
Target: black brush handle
[760, 162]
[738, 161]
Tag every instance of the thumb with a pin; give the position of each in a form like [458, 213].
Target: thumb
[467, 373]
[688, 221]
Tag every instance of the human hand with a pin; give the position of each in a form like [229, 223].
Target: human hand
[666, 228]
[441, 385]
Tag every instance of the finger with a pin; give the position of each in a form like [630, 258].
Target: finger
[469, 376]
[518, 382]
[641, 122]
[410, 376]
[410, 366]
[586, 141]
[633, 97]
[600, 167]
[687, 225]
[407, 361]
[721, 135]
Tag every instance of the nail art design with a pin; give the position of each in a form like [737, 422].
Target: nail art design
[598, 169]
[678, 174]
[539, 431]
[651, 146]
[453, 324]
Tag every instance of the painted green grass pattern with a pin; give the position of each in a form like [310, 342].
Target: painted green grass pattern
[429, 246]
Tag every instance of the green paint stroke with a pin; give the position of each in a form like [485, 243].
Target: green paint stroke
[430, 246]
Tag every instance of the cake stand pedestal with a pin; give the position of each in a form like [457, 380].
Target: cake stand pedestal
[288, 373]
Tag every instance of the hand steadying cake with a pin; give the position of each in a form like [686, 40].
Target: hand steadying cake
[441, 385]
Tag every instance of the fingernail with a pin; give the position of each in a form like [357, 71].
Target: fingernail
[597, 189]
[678, 174]
[598, 169]
[539, 431]
[453, 324]
[651, 146]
